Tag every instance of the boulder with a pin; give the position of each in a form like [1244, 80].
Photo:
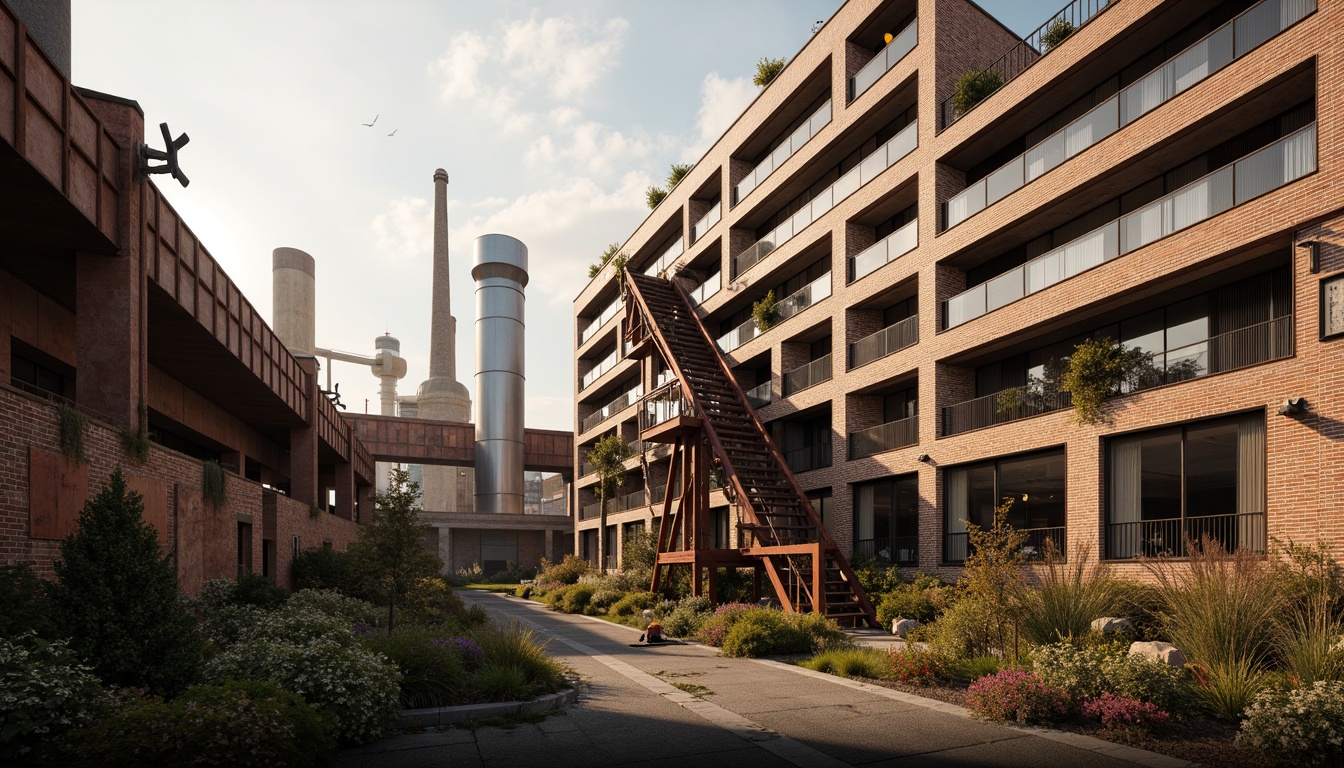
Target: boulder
[1110, 624]
[647, 615]
[1158, 651]
[899, 627]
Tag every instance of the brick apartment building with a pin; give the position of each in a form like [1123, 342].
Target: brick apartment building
[110, 306]
[1170, 175]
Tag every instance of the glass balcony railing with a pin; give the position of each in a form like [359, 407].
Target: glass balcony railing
[1265, 170]
[663, 404]
[894, 337]
[809, 375]
[885, 59]
[800, 136]
[884, 437]
[612, 309]
[870, 168]
[706, 222]
[625, 400]
[759, 396]
[666, 258]
[885, 251]
[706, 289]
[1200, 61]
[791, 305]
[597, 371]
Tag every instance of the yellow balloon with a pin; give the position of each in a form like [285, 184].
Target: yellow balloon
[888, 37]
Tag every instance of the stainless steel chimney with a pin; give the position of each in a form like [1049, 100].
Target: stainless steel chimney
[499, 267]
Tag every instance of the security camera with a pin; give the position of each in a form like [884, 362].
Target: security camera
[1293, 406]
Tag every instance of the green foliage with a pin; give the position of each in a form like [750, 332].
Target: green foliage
[136, 444]
[608, 456]
[852, 662]
[70, 425]
[238, 723]
[577, 597]
[764, 313]
[766, 71]
[877, 578]
[1087, 672]
[992, 579]
[390, 554]
[973, 87]
[912, 664]
[1058, 31]
[1297, 727]
[965, 630]
[348, 609]
[907, 601]
[117, 598]
[602, 600]
[676, 173]
[23, 602]
[1017, 696]
[1142, 604]
[324, 568]
[687, 617]
[634, 603]
[1067, 597]
[255, 589]
[736, 585]
[501, 682]
[1309, 642]
[613, 251]
[654, 195]
[1307, 572]
[639, 552]
[567, 571]
[44, 694]
[513, 573]
[431, 602]
[1096, 370]
[518, 647]
[432, 674]
[214, 485]
[975, 667]
[764, 632]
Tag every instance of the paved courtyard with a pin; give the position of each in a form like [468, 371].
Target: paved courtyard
[739, 712]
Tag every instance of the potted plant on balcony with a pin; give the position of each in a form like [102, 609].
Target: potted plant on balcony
[973, 87]
[764, 313]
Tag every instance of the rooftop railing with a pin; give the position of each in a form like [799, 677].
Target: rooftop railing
[760, 395]
[1200, 61]
[889, 340]
[791, 305]
[666, 258]
[869, 168]
[622, 401]
[706, 289]
[800, 136]
[1265, 170]
[885, 251]
[809, 375]
[611, 310]
[884, 437]
[885, 59]
[1028, 51]
[706, 222]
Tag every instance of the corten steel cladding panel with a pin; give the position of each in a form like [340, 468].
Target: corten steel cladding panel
[499, 267]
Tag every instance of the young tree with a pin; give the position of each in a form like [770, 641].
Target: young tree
[608, 457]
[766, 71]
[993, 577]
[117, 597]
[390, 553]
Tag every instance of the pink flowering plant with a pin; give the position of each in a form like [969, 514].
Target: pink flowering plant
[1017, 696]
[1125, 716]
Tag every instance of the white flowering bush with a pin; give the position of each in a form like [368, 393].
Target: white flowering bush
[333, 603]
[1090, 671]
[44, 693]
[1304, 726]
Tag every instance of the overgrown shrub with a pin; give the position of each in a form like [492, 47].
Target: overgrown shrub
[255, 589]
[1088, 672]
[973, 668]
[915, 665]
[973, 87]
[431, 602]
[520, 648]
[714, 628]
[1017, 696]
[1142, 604]
[70, 425]
[823, 633]
[1304, 726]
[1058, 31]
[333, 603]
[577, 598]
[433, 674]
[501, 682]
[246, 723]
[767, 69]
[603, 599]
[687, 617]
[324, 568]
[633, 603]
[45, 693]
[117, 598]
[1067, 597]
[764, 632]
[878, 578]
[962, 631]
[524, 591]
[906, 601]
[23, 602]
[853, 662]
[513, 573]
[228, 624]
[567, 571]
[1129, 717]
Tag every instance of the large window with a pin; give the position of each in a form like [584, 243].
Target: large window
[1033, 484]
[1182, 483]
[886, 520]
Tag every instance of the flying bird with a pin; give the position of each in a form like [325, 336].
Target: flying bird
[394, 132]
[375, 119]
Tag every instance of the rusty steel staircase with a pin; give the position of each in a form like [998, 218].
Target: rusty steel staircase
[780, 532]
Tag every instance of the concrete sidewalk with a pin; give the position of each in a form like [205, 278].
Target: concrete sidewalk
[727, 712]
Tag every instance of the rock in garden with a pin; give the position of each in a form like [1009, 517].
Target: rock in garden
[1110, 624]
[899, 627]
[648, 615]
[1157, 651]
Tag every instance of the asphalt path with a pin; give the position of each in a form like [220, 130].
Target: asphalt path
[685, 706]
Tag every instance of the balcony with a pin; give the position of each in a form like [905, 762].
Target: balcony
[706, 222]
[870, 168]
[791, 305]
[663, 404]
[1195, 64]
[606, 364]
[901, 433]
[666, 258]
[1252, 345]
[819, 119]
[809, 375]
[897, 550]
[889, 340]
[611, 310]
[1168, 538]
[887, 250]
[957, 545]
[616, 504]
[885, 59]
[760, 395]
[1265, 170]
[808, 457]
[710, 287]
[625, 400]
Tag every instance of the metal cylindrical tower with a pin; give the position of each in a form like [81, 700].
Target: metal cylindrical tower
[293, 300]
[499, 267]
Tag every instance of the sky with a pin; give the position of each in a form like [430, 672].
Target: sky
[550, 118]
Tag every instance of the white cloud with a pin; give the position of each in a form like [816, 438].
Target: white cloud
[405, 231]
[721, 102]
[565, 55]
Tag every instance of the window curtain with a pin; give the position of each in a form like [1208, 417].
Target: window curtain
[1125, 534]
[954, 516]
[1251, 483]
[863, 513]
[1299, 154]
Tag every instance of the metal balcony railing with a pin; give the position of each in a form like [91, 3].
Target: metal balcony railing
[759, 396]
[868, 169]
[893, 338]
[1262, 171]
[800, 136]
[808, 375]
[808, 457]
[897, 550]
[885, 251]
[884, 437]
[885, 59]
[1168, 538]
[1183, 71]
[706, 222]
[956, 546]
[622, 401]
[791, 305]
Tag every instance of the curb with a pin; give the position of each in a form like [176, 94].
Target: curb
[411, 719]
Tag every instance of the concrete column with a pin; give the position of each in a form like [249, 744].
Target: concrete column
[345, 490]
[364, 498]
[549, 547]
[108, 319]
[446, 549]
[303, 485]
[293, 299]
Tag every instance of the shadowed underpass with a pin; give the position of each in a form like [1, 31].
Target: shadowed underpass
[737, 712]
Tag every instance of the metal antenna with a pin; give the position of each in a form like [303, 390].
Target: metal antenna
[169, 156]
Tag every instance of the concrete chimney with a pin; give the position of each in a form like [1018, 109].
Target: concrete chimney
[499, 268]
[293, 300]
